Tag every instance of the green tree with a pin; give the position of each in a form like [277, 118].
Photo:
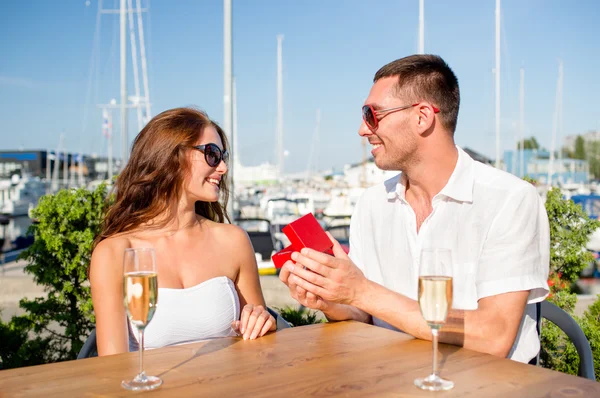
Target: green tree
[579, 148]
[64, 229]
[529, 143]
[567, 153]
[593, 156]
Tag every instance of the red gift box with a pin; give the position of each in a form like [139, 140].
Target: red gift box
[303, 232]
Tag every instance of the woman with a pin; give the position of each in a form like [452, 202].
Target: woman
[167, 198]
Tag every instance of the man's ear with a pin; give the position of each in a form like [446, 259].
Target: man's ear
[426, 118]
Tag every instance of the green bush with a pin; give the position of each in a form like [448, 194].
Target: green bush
[55, 327]
[570, 228]
[299, 316]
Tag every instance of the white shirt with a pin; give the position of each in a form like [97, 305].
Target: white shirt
[495, 224]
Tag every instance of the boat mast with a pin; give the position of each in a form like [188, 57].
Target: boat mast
[136, 80]
[555, 123]
[227, 98]
[144, 66]
[279, 141]
[123, 37]
[56, 168]
[235, 125]
[313, 156]
[421, 26]
[497, 77]
[521, 122]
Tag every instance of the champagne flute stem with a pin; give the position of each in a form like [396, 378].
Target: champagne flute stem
[434, 333]
[141, 375]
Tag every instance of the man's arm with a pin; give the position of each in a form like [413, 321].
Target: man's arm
[513, 263]
[491, 328]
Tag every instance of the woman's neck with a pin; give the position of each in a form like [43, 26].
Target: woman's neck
[181, 217]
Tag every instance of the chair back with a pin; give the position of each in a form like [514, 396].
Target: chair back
[567, 324]
[281, 323]
[260, 234]
[89, 348]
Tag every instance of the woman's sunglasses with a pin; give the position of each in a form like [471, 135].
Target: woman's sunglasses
[213, 154]
[369, 114]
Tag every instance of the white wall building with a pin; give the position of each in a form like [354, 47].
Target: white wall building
[353, 174]
[569, 141]
[263, 173]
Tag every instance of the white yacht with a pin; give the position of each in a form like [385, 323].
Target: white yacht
[19, 194]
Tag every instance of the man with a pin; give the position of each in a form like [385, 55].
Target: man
[495, 224]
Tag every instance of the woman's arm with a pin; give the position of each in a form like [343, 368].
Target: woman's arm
[106, 280]
[255, 320]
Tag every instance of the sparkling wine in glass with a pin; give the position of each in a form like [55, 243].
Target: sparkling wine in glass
[435, 300]
[140, 293]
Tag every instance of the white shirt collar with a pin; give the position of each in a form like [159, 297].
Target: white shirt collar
[459, 186]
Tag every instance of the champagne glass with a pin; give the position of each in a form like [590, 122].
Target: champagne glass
[435, 300]
[140, 291]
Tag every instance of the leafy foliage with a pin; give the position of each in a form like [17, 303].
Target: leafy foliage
[579, 148]
[299, 316]
[592, 152]
[55, 327]
[570, 228]
[529, 143]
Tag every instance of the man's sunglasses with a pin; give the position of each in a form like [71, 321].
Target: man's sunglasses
[213, 154]
[369, 114]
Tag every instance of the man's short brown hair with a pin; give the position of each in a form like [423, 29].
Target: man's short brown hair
[426, 78]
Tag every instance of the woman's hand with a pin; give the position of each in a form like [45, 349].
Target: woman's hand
[255, 321]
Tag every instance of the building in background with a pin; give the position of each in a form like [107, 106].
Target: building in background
[591, 136]
[477, 156]
[264, 174]
[22, 162]
[536, 165]
[363, 176]
[41, 164]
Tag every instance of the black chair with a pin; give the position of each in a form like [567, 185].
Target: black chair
[567, 324]
[281, 323]
[90, 348]
[260, 234]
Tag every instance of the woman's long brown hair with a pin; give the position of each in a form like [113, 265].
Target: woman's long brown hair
[152, 181]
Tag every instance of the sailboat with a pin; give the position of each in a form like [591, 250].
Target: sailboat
[19, 194]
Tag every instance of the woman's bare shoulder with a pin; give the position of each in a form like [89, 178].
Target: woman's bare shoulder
[113, 244]
[229, 231]
[104, 255]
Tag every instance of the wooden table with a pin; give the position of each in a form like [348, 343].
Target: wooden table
[337, 359]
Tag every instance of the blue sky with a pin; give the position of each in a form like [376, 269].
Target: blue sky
[331, 50]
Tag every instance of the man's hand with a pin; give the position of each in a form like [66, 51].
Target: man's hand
[307, 299]
[324, 279]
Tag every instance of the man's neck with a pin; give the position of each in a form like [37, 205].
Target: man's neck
[431, 174]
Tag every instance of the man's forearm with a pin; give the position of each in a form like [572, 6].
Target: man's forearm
[405, 314]
[480, 330]
[342, 312]
[393, 308]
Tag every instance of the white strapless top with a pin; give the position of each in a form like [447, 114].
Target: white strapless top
[200, 312]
